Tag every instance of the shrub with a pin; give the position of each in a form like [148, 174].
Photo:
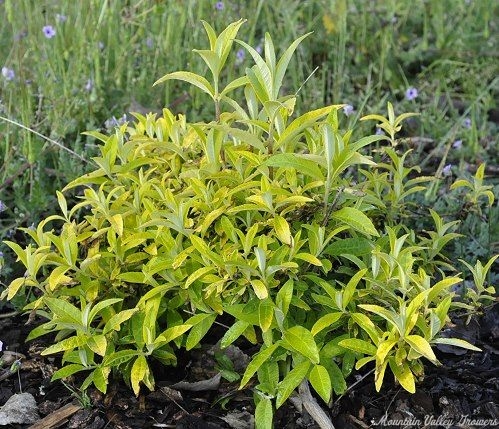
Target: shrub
[265, 219]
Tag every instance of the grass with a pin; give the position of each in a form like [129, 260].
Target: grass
[105, 56]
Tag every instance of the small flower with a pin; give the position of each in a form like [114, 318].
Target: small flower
[48, 31]
[259, 49]
[458, 144]
[3, 207]
[240, 54]
[149, 42]
[379, 131]
[411, 93]
[1, 256]
[113, 122]
[467, 123]
[101, 46]
[60, 18]
[1, 345]
[89, 85]
[447, 170]
[8, 74]
[348, 109]
[219, 5]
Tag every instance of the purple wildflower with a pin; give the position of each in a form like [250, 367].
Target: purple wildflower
[411, 93]
[259, 49]
[113, 122]
[447, 170]
[467, 123]
[379, 131]
[8, 74]
[60, 18]
[48, 31]
[3, 207]
[89, 85]
[240, 55]
[149, 42]
[1, 256]
[458, 144]
[348, 109]
[219, 5]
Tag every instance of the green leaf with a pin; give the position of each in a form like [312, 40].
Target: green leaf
[99, 378]
[118, 358]
[351, 286]
[138, 372]
[357, 220]
[301, 340]
[296, 162]
[384, 348]
[325, 322]
[257, 361]
[320, 381]
[357, 246]
[233, 333]
[358, 345]
[291, 382]
[264, 414]
[283, 63]
[199, 331]
[114, 323]
[338, 381]
[192, 78]
[64, 311]
[456, 342]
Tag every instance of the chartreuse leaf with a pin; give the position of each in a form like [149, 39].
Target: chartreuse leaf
[379, 374]
[264, 414]
[257, 361]
[358, 345]
[99, 378]
[282, 230]
[66, 344]
[422, 346]
[320, 381]
[138, 372]
[67, 371]
[291, 382]
[367, 325]
[98, 344]
[283, 298]
[325, 322]
[384, 348]
[265, 313]
[404, 375]
[301, 340]
[456, 342]
[356, 220]
[172, 333]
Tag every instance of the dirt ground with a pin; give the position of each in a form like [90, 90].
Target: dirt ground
[463, 393]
